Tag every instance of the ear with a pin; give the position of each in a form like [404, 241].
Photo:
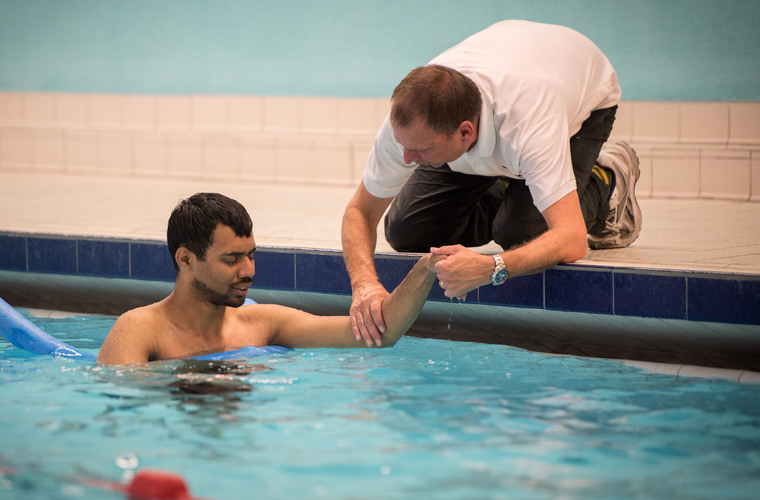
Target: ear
[185, 258]
[467, 132]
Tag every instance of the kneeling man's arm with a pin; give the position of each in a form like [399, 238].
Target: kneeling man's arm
[296, 328]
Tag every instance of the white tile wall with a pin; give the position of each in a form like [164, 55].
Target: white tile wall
[245, 114]
[184, 155]
[114, 153]
[210, 113]
[686, 149]
[39, 109]
[360, 150]
[257, 160]
[333, 163]
[704, 122]
[16, 148]
[644, 186]
[358, 116]
[82, 151]
[72, 110]
[105, 112]
[655, 122]
[175, 113]
[282, 115]
[726, 174]
[675, 173]
[319, 115]
[11, 109]
[382, 108]
[139, 112]
[623, 127]
[745, 123]
[293, 162]
[150, 154]
[48, 150]
[221, 158]
[755, 175]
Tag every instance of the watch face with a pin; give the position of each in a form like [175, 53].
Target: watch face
[500, 277]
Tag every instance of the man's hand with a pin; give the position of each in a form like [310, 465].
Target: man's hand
[462, 270]
[367, 313]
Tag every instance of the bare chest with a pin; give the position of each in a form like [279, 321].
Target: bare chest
[176, 342]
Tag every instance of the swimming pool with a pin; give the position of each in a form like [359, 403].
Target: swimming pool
[426, 419]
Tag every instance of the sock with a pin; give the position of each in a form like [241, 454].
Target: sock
[603, 173]
[603, 180]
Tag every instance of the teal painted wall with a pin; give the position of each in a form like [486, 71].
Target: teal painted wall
[664, 50]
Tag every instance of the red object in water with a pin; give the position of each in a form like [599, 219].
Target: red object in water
[156, 485]
[148, 484]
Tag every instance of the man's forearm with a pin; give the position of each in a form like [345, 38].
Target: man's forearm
[564, 241]
[546, 251]
[465, 270]
[405, 303]
[359, 242]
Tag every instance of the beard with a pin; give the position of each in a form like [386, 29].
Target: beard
[208, 294]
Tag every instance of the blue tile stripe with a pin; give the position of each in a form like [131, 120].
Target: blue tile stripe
[719, 297]
[726, 300]
[654, 296]
[579, 289]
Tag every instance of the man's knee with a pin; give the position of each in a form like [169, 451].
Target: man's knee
[404, 237]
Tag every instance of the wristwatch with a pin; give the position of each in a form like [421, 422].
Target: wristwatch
[500, 273]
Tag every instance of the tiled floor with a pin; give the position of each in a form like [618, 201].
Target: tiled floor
[685, 235]
[698, 235]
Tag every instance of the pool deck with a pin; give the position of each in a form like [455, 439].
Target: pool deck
[695, 241]
[713, 236]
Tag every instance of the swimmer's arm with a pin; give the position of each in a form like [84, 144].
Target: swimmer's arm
[295, 328]
[123, 345]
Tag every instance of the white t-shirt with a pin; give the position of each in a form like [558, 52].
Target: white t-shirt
[539, 83]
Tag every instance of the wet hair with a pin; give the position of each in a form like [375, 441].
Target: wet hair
[442, 97]
[193, 221]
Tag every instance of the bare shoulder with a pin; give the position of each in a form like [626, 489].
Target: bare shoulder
[131, 337]
[141, 317]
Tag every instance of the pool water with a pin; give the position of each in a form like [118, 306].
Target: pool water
[425, 419]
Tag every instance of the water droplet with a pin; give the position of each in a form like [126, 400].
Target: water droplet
[451, 311]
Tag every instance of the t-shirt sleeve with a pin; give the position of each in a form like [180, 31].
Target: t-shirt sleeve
[386, 173]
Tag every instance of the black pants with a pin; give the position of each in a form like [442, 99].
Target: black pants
[440, 207]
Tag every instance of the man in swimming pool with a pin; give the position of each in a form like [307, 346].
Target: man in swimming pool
[211, 241]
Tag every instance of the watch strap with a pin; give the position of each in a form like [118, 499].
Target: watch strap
[499, 270]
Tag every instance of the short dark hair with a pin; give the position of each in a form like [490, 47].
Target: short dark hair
[441, 96]
[193, 221]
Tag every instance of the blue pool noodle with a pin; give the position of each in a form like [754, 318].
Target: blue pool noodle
[24, 334]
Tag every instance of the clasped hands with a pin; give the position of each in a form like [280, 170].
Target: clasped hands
[462, 270]
[458, 269]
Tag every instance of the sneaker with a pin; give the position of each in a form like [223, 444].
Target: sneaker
[623, 225]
